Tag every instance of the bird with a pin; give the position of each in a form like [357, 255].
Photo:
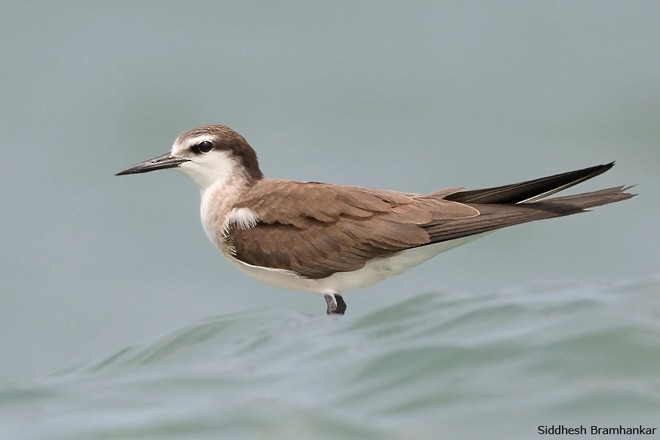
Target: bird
[329, 239]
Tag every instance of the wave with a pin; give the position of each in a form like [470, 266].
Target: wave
[460, 362]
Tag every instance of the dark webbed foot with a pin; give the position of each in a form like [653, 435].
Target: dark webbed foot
[336, 304]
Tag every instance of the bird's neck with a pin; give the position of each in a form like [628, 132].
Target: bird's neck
[219, 199]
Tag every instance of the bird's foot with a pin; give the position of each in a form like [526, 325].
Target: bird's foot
[336, 304]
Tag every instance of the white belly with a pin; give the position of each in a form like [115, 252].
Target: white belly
[341, 282]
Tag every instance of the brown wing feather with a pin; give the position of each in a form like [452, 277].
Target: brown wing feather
[328, 228]
[496, 216]
[316, 229]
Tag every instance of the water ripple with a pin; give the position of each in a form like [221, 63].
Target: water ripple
[568, 353]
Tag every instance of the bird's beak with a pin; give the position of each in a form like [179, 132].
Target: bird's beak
[157, 163]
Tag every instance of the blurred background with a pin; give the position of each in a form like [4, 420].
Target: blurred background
[411, 96]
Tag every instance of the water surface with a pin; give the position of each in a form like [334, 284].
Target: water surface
[492, 364]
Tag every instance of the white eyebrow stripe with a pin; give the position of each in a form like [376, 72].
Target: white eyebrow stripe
[197, 139]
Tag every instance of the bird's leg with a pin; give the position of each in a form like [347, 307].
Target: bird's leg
[336, 304]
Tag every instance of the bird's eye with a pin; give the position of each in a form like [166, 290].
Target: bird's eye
[203, 147]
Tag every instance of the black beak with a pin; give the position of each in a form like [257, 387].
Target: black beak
[157, 163]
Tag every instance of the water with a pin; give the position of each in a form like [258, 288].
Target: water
[492, 364]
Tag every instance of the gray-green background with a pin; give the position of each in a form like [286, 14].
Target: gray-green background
[403, 95]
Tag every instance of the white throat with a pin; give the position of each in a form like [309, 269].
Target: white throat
[210, 170]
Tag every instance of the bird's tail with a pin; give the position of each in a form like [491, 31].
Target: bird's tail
[591, 199]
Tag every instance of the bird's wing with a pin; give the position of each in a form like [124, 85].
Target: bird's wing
[316, 229]
[530, 190]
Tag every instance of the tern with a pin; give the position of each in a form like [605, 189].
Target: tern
[329, 239]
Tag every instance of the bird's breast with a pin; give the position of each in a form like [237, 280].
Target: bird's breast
[217, 202]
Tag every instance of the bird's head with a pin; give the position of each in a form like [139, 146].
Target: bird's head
[207, 154]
